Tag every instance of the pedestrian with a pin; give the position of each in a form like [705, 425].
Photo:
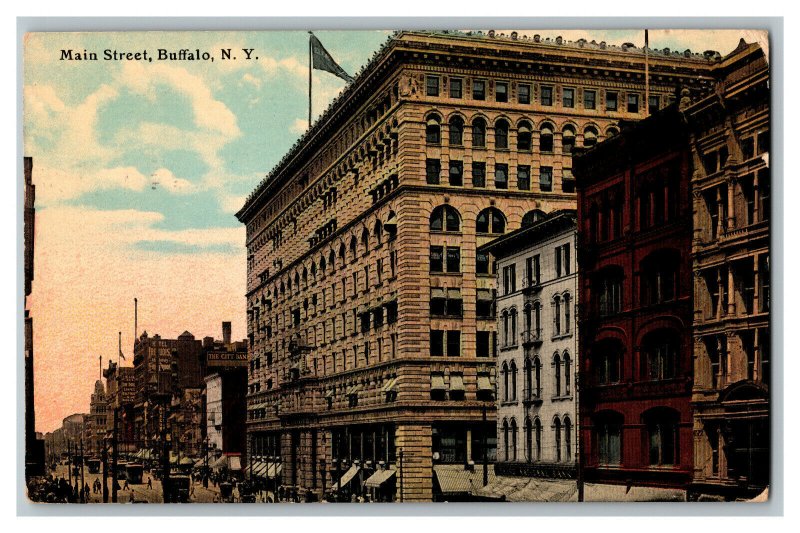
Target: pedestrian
[125, 486]
[149, 482]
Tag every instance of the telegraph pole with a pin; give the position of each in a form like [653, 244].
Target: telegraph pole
[485, 451]
[114, 454]
[83, 481]
[105, 471]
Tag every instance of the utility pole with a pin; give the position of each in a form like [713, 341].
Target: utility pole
[69, 462]
[114, 455]
[105, 471]
[485, 451]
[83, 481]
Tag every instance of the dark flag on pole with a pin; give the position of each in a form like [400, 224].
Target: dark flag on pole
[322, 60]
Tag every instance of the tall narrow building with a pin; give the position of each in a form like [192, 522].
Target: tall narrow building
[370, 311]
[730, 140]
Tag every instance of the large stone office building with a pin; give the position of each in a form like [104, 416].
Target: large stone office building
[370, 314]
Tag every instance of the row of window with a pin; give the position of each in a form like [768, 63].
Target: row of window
[456, 90]
[560, 448]
[661, 430]
[532, 278]
[533, 333]
[455, 178]
[659, 358]
[533, 389]
[447, 343]
[502, 129]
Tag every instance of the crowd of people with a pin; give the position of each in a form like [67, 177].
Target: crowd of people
[57, 490]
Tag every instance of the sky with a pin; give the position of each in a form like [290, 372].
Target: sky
[140, 166]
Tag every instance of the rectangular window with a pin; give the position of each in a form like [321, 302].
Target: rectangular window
[482, 346]
[479, 90]
[633, 103]
[557, 256]
[611, 101]
[453, 259]
[547, 95]
[524, 177]
[748, 148]
[509, 279]
[501, 91]
[437, 343]
[432, 85]
[546, 178]
[532, 270]
[501, 176]
[456, 172]
[569, 97]
[478, 174]
[524, 96]
[455, 87]
[589, 99]
[453, 343]
[566, 260]
[433, 168]
[482, 263]
[437, 259]
[654, 103]
[763, 142]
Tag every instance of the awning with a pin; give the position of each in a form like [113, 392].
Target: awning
[347, 477]
[454, 294]
[528, 489]
[485, 295]
[484, 383]
[457, 382]
[235, 462]
[390, 385]
[455, 479]
[329, 394]
[354, 389]
[437, 292]
[379, 478]
[219, 464]
[437, 382]
[596, 492]
[274, 470]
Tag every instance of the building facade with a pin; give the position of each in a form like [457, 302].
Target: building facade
[635, 279]
[163, 369]
[97, 421]
[537, 347]
[120, 402]
[370, 312]
[730, 139]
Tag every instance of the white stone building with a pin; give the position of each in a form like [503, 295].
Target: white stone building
[537, 341]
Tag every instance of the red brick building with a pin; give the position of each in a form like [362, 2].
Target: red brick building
[635, 293]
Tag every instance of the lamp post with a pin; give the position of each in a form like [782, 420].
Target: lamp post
[205, 469]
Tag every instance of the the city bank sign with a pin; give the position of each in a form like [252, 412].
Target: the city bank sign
[227, 359]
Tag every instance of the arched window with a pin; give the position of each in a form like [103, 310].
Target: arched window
[662, 436]
[567, 439]
[606, 359]
[537, 436]
[524, 136]
[513, 370]
[289, 284]
[589, 137]
[506, 327]
[608, 437]
[537, 377]
[433, 130]
[566, 310]
[557, 314]
[527, 368]
[490, 220]
[513, 339]
[659, 277]
[479, 133]
[567, 373]
[506, 440]
[528, 440]
[546, 138]
[568, 139]
[528, 318]
[557, 436]
[341, 253]
[532, 216]
[456, 136]
[305, 277]
[323, 265]
[365, 239]
[659, 355]
[537, 319]
[378, 231]
[557, 372]
[501, 134]
[353, 246]
[612, 132]
[445, 218]
[505, 381]
[314, 270]
[513, 439]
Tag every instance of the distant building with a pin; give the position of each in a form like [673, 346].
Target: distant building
[120, 400]
[537, 350]
[226, 393]
[635, 290]
[96, 422]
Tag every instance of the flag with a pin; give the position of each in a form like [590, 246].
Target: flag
[122, 356]
[322, 60]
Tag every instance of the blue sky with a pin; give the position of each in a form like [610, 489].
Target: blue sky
[140, 167]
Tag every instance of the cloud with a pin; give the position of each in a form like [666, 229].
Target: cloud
[299, 126]
[291, 65]
[251, 80]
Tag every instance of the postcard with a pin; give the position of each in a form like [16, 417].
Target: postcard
[397, 266]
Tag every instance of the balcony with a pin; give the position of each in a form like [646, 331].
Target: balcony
[531, 337]
[532, 396]
[531, 285]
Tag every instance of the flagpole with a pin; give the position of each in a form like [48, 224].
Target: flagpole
[119, 362]
[646, 73]
[310, 68]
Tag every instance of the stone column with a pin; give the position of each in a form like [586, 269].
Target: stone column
[756, 292]
[720, 214]
[731, 291]
[731, 217]
[756, 200]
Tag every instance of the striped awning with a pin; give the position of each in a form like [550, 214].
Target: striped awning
[390, 385]
[457, 382]
[347, 477]
[484, 383]
[379, 478]
[355, 389]
[437, 382]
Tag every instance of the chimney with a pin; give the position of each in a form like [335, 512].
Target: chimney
[226, 333]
